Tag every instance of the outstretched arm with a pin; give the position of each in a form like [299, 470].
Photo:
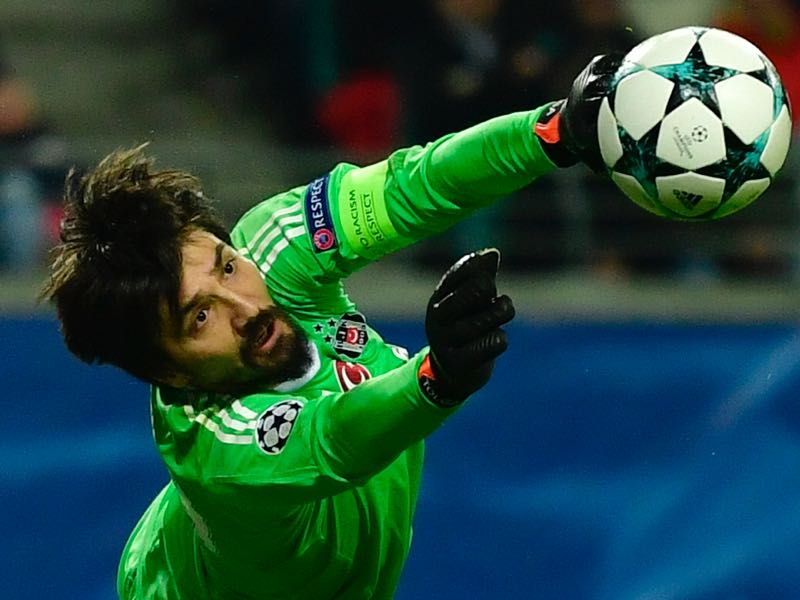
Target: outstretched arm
[420, 191]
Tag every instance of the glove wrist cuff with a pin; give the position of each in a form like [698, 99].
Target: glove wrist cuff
[548, 130]
[432, 386]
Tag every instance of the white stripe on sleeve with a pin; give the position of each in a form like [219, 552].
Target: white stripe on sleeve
[227, 438]
[281, 246]
[241, 410]
[271, 221]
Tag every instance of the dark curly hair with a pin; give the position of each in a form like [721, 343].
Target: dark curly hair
[119, 259]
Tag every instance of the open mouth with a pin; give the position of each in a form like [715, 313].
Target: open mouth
[265, 338]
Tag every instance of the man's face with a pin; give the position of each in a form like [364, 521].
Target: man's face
[228, 335]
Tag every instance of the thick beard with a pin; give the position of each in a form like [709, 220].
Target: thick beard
[289, 358]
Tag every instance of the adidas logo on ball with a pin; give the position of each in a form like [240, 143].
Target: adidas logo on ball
[688, 199]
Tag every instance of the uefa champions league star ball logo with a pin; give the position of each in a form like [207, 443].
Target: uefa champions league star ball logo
[700, 134]
[275, 425]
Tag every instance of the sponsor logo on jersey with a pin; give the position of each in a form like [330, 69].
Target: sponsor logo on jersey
[318, 216]
[275, 424]
[350, 374]
[348, 334]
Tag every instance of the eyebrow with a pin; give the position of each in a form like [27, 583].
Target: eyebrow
[199, 298]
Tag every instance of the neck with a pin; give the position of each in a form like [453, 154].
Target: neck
[312, 369]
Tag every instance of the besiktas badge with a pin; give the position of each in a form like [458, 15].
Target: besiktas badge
[351, 335]
[347, 335]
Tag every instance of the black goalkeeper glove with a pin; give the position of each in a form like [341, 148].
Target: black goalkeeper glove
[568, 128]
[463, 327]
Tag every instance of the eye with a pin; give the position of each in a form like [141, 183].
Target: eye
[230, 267]
[201, 317]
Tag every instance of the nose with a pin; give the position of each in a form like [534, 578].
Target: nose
[242, 310]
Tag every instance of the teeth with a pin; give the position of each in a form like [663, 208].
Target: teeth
[262, 337]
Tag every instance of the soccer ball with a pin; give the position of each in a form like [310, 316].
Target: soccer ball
[696, 125]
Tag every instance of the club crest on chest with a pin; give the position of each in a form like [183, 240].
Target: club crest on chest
[347, 335]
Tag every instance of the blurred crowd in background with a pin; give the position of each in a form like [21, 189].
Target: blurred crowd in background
[33, 163]
[363, 78]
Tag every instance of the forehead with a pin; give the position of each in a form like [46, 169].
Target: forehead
[198, 252]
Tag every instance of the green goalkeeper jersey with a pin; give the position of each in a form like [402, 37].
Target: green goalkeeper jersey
[307, 490]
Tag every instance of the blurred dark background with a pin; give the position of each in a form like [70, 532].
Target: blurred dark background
[260, 96]
[640, 442]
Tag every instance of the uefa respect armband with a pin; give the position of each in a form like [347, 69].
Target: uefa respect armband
[363, 213]
[318, 216]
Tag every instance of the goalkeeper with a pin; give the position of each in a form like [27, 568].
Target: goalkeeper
[291, 431]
